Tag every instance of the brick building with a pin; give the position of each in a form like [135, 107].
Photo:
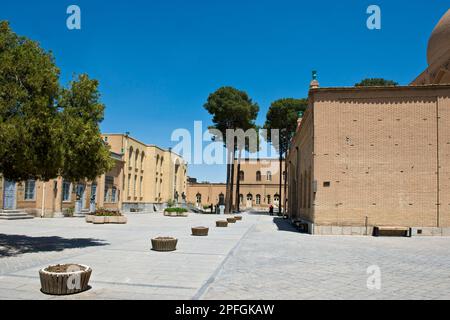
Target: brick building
[376, 156]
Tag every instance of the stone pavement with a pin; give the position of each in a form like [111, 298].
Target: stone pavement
[261, 257]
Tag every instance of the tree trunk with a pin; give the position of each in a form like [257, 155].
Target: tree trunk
[232, 181]
[238, 182]
[228, 190]
[281, 181]
[285, 185]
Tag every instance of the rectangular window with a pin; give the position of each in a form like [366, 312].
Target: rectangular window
[30, 187]
[66, 191]
[113, 195]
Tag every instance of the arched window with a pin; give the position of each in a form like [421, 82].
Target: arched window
[199, 198]
[142, 160]
[269, 176]
[276, 198]
[249, 197]
[241, 175]
[258, 199]
[258, 175]
[130, 156]
[221, 199]
[136, 159]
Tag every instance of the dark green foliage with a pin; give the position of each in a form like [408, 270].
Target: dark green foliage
[376, 82]
[45, 130]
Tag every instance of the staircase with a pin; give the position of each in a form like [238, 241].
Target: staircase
[14, 215]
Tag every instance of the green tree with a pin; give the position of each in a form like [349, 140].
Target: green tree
[30, 126]
[86, 155]
[231, 109]
[282, 117]
[46, 130]
[376, 82]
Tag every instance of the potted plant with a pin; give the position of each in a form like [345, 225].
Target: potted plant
[69, 212]
[102, 216]
[176, 212]
[164, 244]
[65, 279]
[200, 231]
[221, 224]
[231, 220]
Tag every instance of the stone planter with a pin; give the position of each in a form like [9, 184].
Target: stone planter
[231, 220]
[238, 218]
[200, 231]
[68, 279]
[107, 219]
[221, 224]
[90, 218]
[164, 244]
[98, 220]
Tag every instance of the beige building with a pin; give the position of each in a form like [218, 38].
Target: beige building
[259, 186]
[144, 178]
[58, 195]
[376, 156]
[151, 177]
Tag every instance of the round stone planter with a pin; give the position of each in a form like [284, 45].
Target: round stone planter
[65, 279]
[238, 218]
[164, 244]
[200, 231]
[231, 220]
[221, 224]
[106, 219]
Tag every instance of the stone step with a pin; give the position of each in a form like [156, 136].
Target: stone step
[14, 215]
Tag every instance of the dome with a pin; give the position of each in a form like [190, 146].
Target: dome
[439, 43]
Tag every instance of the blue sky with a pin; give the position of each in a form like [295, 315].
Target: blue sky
[157, 61]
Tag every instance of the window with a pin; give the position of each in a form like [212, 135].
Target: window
[136, 159]
[258, 199]
[241, 175]
[269, 199]
[134, 186]
[199, 198]
[30, 187]
[258, 175]
[269, 176]
[114, 194]
[221, 199]
[130, 156]
[129, 186]
[66, 191]
[326, 184]
[276, 198]
[140, 187]
[249, 197]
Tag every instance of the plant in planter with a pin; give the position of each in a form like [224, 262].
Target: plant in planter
[65, 279]
[238, 218]
[102, 216]
[176, 212]
[231, 220]
[164, 244]
[200, 231]
[221, 224]
[69, 212]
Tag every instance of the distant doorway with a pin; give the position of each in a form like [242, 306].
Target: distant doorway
[9, 195]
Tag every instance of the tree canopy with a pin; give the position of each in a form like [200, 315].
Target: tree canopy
[376, 82]
[46, 130]
[283, 115]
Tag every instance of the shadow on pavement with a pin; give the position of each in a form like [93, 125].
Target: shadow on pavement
[14, 245]
[284, 225]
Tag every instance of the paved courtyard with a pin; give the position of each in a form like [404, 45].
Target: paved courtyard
[261, 257]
